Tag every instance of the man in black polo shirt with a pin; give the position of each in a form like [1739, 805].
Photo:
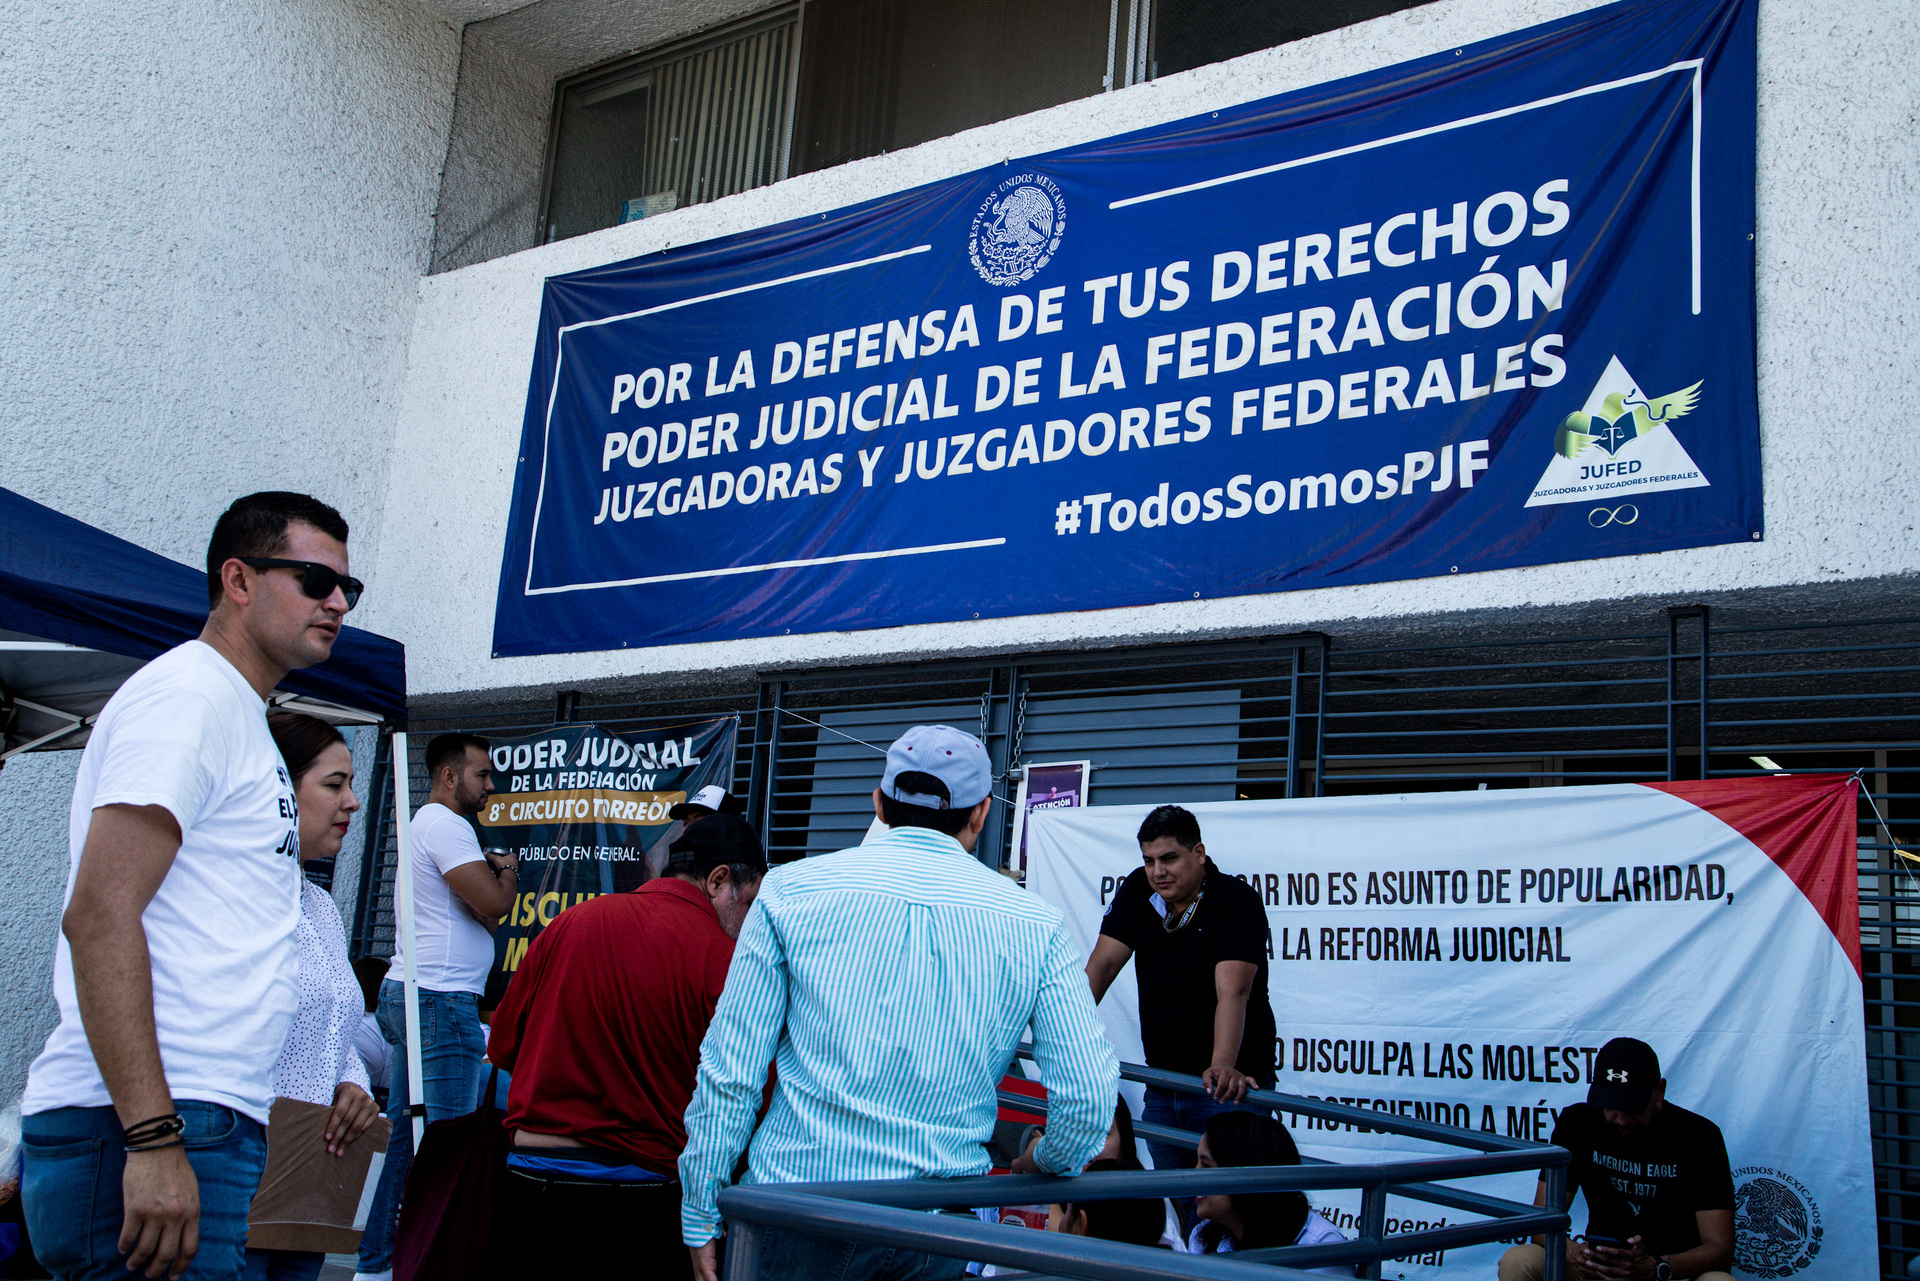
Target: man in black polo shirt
[1658, 1186]
[1201, 937]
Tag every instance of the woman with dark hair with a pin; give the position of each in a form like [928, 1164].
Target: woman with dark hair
[1255, 1220]
[319, 1064]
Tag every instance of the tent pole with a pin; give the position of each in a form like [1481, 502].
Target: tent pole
[74, 726]
[403, 890]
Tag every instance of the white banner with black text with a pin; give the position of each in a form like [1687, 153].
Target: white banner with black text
[1461, 956]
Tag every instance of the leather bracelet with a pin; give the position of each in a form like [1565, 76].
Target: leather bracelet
[153, 1132]
[173, 1142]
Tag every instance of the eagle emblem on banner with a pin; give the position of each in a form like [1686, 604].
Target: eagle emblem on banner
[1017, 229]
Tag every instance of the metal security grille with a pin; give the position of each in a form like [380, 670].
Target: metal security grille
[825, 736]
[1687, 697]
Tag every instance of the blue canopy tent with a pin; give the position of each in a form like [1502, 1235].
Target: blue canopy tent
[81, 610]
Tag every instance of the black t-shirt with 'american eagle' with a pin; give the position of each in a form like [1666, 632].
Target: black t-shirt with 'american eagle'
[1652, 1184]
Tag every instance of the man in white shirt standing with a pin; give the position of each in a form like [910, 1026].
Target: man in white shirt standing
[459, 895]
[176, 973]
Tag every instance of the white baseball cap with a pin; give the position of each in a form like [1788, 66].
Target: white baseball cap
[711, 797]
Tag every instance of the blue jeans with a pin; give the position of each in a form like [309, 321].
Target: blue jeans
[1182, 1112]
[451, 1044]
[70, 1188]
[782, 1256]
[284, 1265]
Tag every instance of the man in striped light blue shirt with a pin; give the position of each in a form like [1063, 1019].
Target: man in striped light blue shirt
[890, 985]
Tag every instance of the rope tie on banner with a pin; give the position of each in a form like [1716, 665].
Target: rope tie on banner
[1886, 831]
[788, 711]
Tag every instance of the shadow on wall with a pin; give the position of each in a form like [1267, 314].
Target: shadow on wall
[36, 789]
[490, 188]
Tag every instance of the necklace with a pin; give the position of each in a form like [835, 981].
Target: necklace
[1169, 924]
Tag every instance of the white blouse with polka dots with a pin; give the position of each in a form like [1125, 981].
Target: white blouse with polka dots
[319, 1053]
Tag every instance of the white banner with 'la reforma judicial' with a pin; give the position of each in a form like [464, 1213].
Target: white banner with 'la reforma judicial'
[1460, 957]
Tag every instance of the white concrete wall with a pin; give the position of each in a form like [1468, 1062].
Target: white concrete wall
[1837, 231]
[213, 220]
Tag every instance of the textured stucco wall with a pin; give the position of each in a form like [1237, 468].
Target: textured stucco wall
[35, 790]
[213, 218]
[509, 63]
[490, 194]
[213, 221]
[1837, 226]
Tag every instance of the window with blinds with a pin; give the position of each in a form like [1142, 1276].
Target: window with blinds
[682, 127]
[819, 83]
[1193, 33]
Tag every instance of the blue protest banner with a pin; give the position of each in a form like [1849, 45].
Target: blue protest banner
[1487, 309]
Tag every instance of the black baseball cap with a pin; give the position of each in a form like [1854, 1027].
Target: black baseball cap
[1624, 1074]
[722, 838]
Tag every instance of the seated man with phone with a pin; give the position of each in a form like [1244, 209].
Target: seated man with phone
[1658, 1184]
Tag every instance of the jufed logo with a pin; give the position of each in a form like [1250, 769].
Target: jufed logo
[1620, 442]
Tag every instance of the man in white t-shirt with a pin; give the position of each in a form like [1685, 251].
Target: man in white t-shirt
[459, 895]
[176, 973]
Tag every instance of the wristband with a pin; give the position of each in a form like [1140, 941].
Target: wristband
[163, 1143]
[155, 1132]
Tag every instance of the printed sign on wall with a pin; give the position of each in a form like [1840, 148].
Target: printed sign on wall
[1486, 309]
[1050, 786]
[582, 807]
[1461, 957]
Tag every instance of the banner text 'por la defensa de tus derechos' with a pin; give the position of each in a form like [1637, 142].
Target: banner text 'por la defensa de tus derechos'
[1491, 308]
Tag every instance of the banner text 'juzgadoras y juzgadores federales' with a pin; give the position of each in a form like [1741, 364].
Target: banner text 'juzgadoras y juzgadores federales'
[1490, 308]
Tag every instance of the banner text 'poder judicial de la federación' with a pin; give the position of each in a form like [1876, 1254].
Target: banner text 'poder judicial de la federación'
[1486, 309]
[588, 811]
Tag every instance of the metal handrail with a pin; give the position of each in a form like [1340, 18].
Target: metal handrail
[892, 1211]
[1326, 1110]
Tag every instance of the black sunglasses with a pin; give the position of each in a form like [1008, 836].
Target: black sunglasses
[316, 580]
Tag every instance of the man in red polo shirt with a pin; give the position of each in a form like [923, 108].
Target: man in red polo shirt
[601, 1029]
